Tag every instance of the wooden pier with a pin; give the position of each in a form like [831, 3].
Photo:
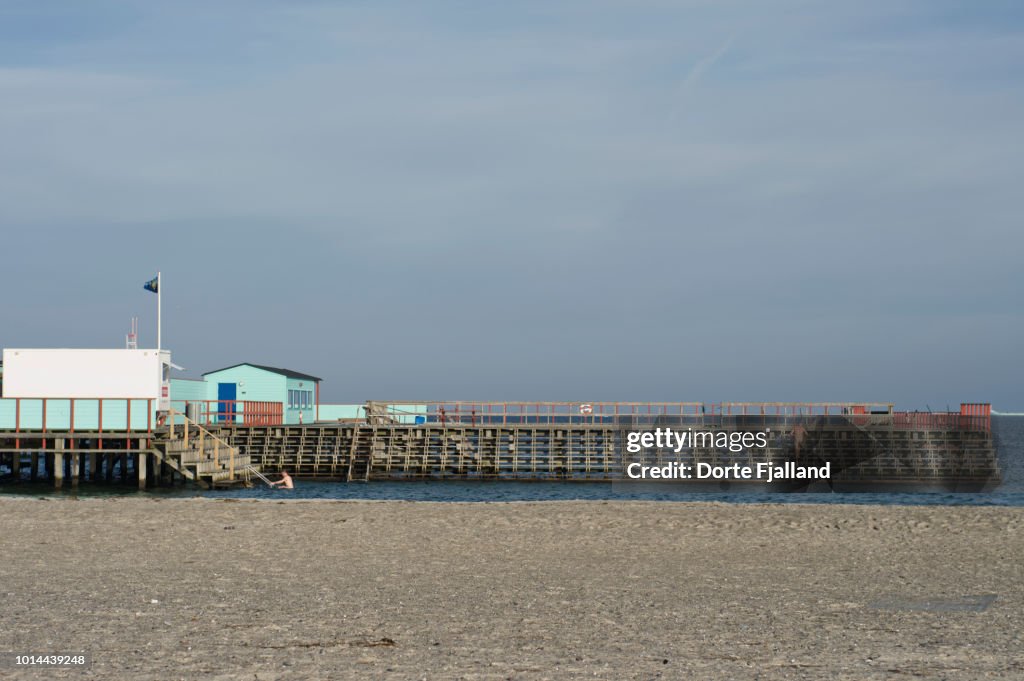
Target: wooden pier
[181, 452]
[949, 450]
[863, 443]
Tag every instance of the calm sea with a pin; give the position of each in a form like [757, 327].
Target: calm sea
[1008, 430]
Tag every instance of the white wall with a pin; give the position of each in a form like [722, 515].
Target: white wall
[85, 373]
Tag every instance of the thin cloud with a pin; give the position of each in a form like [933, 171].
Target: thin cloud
[704, 64]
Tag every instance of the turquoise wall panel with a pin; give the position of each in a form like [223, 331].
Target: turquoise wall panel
[333, 412]
[403, 413]
[6, 414]
[89, 414]
[185, 390]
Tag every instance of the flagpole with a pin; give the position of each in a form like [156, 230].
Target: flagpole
[159, 292]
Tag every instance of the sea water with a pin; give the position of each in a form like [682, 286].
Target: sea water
[1007, 430]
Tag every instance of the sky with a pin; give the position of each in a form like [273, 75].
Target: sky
[560, 200]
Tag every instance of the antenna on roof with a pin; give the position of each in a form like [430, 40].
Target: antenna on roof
[131, 341]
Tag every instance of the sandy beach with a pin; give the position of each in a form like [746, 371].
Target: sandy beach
[217, 589]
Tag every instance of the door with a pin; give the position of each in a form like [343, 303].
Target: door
[226, 394]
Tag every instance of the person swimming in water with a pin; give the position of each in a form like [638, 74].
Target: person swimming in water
[285, 481]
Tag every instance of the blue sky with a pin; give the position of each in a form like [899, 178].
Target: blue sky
[554, 200]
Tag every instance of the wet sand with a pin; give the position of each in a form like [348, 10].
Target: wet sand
[217, 589]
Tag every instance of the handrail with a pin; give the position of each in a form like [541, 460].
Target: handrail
[203, 433]
[255, 471]
[644, 403]
[597, 408]
[584, 413]
[461, 413]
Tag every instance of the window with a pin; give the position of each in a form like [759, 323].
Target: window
[300, 399]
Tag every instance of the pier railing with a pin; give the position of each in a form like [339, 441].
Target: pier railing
[122, 414]
[104, 415]
[972, 416]
[585, 413]
[236, 412]
[463, 413]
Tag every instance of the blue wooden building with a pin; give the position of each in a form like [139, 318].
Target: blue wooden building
[298, 393]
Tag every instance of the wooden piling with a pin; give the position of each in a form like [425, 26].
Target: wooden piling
[75, 469]
[141, 466]
[58, 464]
[34, 473]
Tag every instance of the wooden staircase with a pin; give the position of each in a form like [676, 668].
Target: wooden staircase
[201, 456]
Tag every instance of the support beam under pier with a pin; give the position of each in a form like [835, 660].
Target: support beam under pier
[58, 464]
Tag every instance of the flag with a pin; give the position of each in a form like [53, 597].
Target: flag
[151, 285]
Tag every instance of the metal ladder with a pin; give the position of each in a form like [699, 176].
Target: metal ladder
[254, 471]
